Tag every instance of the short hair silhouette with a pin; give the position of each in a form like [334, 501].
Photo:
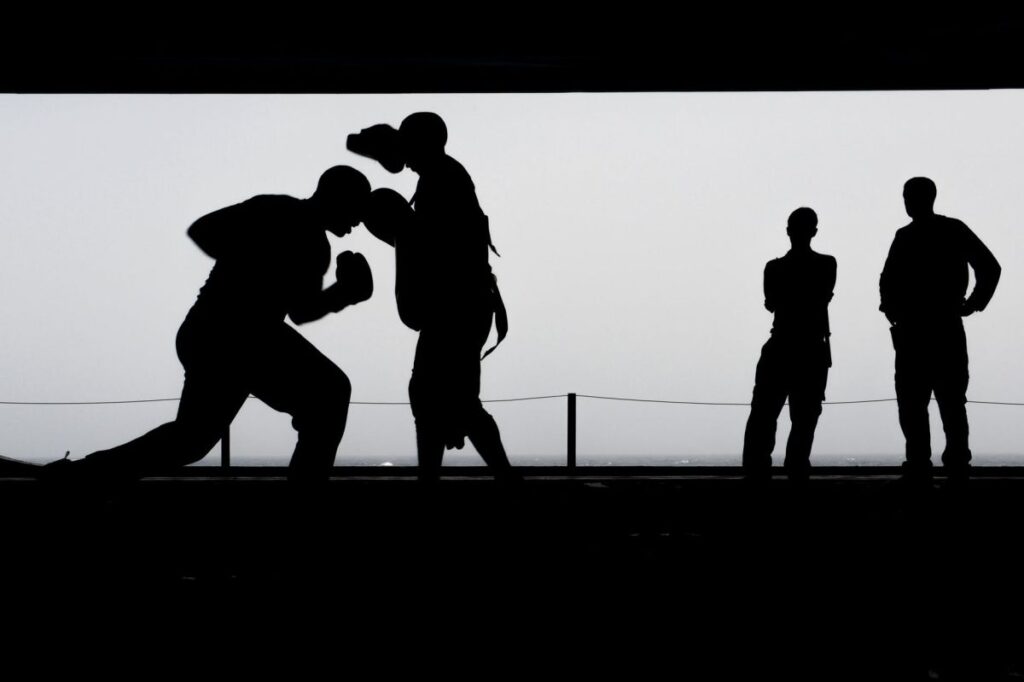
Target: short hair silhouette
[340, 183]
[803, 221]
[425, 131]
[340, 198]
[919, 196]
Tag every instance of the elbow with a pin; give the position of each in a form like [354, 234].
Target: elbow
[195, 233]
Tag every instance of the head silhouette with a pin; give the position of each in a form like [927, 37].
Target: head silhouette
[919, 197]
[802, 226]
[422, 137]
[387, 215]
[340, 199]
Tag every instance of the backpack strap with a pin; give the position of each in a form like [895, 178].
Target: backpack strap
[500, 316]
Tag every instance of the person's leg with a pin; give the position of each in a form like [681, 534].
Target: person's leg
[486, 438]
[804, 410]
[290, 375]
[765, 406]
[913, 393]
[205, 411]
[951, 394]
[445, 393]
[481, 428]
[210, 398]
[426, 400]
[429, 452]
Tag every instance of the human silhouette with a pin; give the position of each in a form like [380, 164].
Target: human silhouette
[444, 286]
[924, 295]
[271, 255]
[795, 360]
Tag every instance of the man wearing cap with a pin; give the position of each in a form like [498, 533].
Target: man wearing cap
[795, 360]
[271, 253]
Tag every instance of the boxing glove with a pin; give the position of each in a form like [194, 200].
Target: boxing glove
[355, 279]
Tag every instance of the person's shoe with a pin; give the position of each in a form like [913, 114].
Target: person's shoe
[62, 469]
[757, 474]
[67, 470]
[798, 473]
[957, 475]
[508, 479]
[916, 476]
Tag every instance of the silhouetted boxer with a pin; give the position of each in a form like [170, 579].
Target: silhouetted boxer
[271, 255]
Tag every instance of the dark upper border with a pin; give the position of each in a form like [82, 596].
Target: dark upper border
[508, 48]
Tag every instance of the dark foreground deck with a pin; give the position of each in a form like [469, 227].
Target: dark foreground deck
[851, 575]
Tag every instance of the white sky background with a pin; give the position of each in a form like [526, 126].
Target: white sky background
[633, 230]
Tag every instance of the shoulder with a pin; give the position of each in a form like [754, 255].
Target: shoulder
[957, 230]
[282, 201]
[777, 268]
[904, 234]
[956, 225]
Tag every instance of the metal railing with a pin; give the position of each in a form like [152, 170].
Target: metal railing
[571, 401]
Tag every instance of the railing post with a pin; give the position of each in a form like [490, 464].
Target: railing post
[225, 447]
[571, 430]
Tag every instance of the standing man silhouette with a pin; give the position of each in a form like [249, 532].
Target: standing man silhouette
[795, 360]
[924, 295]
[445, 288]
[271, 255]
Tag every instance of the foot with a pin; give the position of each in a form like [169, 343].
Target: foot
[798, 473]
[917, 474]
[508, 478]
[60, 470]
[957, 474]
[757, 473]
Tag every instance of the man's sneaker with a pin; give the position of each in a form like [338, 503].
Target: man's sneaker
[60, 470]
[798, 473]
[957, 474]
[916, 476]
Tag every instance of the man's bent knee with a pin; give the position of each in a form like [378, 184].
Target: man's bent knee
[332, 395]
